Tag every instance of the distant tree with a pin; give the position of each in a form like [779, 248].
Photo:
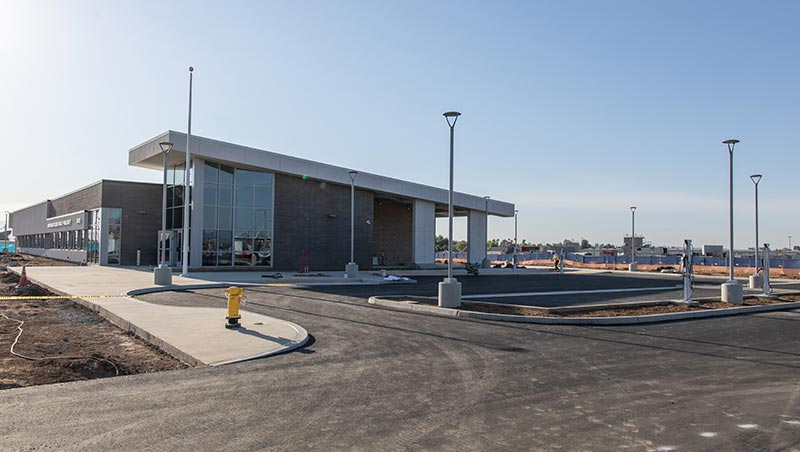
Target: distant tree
[440, 243]
[493, 243]
[459, 247]
[585, 244]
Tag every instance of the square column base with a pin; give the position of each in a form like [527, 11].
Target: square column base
[756, 281]
[732, 292]
[450, 293]
[351, 270]
[162, 275]
[633, 267]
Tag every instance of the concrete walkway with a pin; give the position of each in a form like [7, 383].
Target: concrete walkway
[194, 335]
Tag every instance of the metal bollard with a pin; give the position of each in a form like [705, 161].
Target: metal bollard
[766, 287]
[687, 262]
[234, 295]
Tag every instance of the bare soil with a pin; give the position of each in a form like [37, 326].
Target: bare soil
[609, 312]
[68, 341]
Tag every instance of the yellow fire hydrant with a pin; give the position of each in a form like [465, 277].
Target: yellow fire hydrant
[234, 295]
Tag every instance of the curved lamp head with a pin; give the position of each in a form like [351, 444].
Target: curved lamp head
[633, 208]
[451, 114]
[353, 175]
[756, 178]
[166, 146]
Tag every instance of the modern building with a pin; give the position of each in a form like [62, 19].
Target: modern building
[108, 223]
[250, 208]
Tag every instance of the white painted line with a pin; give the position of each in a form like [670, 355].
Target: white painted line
[568, 292]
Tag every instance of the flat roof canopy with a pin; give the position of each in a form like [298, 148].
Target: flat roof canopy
[149, 155]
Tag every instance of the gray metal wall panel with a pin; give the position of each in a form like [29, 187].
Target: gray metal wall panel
[141, 217]
[31, 220]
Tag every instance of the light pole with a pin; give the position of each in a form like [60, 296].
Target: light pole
[450, 289]
[351, 270]
[632, 266]
[186, 189]
[790, 242]
[163, 273]
[516, 212]
[4, 248]
[485, 263]
[755, 278]
[732, 291]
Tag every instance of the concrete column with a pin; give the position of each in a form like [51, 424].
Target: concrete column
[196, 204]
[476, 233]
[424, 232]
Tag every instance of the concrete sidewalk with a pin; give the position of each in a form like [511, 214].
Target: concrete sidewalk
[194, 335]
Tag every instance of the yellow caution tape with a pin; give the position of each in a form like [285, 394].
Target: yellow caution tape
[52, 297]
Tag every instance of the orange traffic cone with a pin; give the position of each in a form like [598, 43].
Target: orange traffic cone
[23, 278]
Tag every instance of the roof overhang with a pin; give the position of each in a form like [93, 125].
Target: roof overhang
[149, 155]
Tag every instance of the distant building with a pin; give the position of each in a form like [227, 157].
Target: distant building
[638, 242]
[713, 251]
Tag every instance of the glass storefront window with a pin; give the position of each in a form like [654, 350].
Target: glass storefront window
[114, 236]
[238, 207]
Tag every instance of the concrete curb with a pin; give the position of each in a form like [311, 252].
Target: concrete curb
[291, 283]
[165, 346]
[655, 318]
[285, 348]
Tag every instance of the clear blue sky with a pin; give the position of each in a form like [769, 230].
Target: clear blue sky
[572, 110]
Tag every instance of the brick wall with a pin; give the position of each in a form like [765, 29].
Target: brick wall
[393, 233]
[314, 217]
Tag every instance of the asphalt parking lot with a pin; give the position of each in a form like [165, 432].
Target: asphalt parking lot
[549, 289]
[377, 379]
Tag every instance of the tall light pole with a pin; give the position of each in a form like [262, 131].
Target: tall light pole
[790, 242]
[516, 212]
[632, 266]
[186, 189]
[351, 270]
[5, 215]
[755, 278]
[450, 289]
[732, 291]
[163, 273]
[485, 263]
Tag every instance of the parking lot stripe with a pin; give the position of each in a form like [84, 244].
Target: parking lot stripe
[569, 292]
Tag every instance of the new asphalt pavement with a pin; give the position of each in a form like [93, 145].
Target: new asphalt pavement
[377, 379]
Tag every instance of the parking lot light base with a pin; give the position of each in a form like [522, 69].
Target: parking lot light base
[450, 293]
[351, 270]
[732, 293]
[756, 281]
[633, 267]
[162, 275]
